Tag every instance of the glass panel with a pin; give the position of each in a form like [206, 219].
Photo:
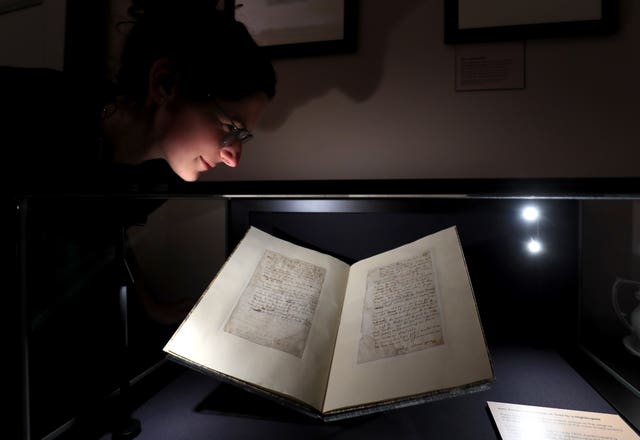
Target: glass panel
[587, 270]
[610, 306]
[74, 271]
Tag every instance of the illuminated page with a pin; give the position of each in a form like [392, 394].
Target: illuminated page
[277, 307]
[524, 422]
[401, 309]
[269, 318]
[409, 326]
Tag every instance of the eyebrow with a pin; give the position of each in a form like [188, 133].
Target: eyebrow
[237, 122]
[231, 117]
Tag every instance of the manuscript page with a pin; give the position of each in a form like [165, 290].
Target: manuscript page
[401, 309]
[270, 318]
[277, 306]
[409, 326]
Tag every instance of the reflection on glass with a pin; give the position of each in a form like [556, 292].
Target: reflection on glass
[534, 246]
[610, 286]
[629, 320]
[530, 213]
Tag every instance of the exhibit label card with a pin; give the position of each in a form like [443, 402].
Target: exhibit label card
[524, 422]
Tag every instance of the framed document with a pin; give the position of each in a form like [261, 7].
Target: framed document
[13, 5]
[299, 28]
[470, 21]
[490, 66]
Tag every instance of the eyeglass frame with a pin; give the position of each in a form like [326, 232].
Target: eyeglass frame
[241, 135]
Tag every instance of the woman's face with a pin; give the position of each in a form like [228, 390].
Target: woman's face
[190, 135]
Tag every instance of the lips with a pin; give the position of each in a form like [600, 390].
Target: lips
[206, 164]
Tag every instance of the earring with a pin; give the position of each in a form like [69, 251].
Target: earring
[108, 110]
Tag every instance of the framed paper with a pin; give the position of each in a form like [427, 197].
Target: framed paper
[490, 66]
[14, 5]
[299, 28]
[470, 21]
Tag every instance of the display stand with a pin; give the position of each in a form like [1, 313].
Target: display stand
[124, 426]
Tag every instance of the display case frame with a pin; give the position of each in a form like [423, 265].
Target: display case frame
[385, 193]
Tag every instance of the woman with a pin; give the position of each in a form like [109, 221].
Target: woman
[191, 86]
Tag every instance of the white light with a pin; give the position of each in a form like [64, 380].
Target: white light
[534, 246]
[530, 213]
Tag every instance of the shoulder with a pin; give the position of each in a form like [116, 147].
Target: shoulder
[50, 123]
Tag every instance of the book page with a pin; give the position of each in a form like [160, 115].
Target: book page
[523, 422]
[409, 326]
[401, 309]
[270, 318]
[278, 305]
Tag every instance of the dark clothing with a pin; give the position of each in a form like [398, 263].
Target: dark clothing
[51, 137]
[78, 203]
[79, 200]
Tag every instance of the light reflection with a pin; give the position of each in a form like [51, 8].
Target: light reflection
[534, 246]
[530, 213]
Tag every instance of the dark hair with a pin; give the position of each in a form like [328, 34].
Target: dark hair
[213, 54]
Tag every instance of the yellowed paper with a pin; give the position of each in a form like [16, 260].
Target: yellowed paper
[524, 422]
[456, 354]
[401, 309]
[202, 339]
[277, 306]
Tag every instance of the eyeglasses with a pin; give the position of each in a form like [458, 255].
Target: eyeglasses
[236, 134]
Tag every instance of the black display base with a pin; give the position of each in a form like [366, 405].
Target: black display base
[127, 430]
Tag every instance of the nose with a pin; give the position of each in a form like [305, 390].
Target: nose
[230, 155]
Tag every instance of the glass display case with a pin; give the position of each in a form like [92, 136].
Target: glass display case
[554, 264]
[609, 300]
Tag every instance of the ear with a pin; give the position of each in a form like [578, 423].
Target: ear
[162, 81]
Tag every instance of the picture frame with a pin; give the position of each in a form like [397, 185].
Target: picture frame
[13, 5]
[301, 28]
[470, 21]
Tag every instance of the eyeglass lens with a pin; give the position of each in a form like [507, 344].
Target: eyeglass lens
[240, 135]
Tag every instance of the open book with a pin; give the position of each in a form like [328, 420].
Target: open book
[334, 340]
